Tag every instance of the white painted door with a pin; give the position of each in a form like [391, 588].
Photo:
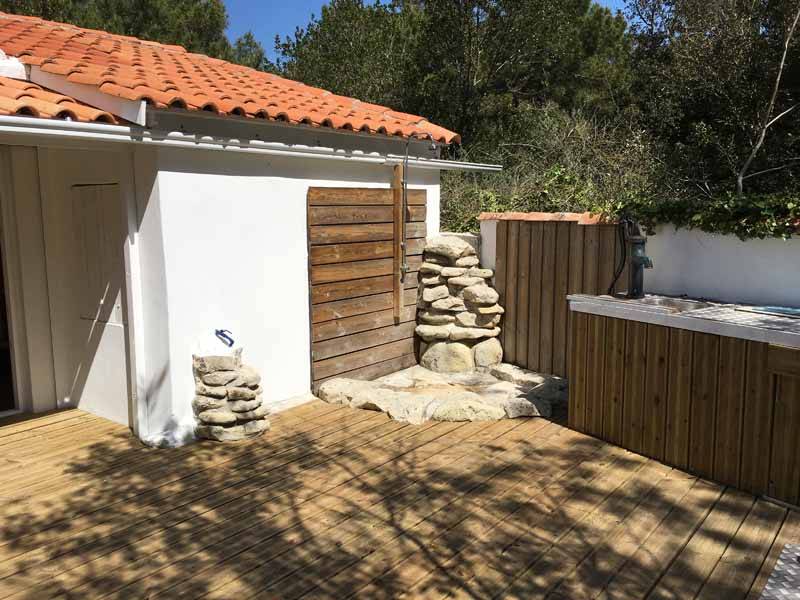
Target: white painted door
[85, 233]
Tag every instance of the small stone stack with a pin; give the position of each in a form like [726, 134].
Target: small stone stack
[228, 404]
[458, 317]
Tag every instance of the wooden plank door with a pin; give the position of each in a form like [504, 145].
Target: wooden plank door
[352, 270]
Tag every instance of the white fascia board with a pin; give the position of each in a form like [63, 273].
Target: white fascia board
[133, 111]
[99, 132]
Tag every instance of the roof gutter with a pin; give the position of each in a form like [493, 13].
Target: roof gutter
[71, 130]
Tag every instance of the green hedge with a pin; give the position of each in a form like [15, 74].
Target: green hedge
[747, 217]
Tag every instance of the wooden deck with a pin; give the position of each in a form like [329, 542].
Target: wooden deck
[338, 503]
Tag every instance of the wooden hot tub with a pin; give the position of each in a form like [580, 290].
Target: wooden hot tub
[710, 388]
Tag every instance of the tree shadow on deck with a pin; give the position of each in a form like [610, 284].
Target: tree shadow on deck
[357, 505]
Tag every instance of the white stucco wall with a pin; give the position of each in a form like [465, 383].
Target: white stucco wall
[723, 267]
[488, 244]
[223, 245]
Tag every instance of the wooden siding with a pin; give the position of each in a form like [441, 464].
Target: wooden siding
[538, 264]
[355, 330]
[723, 408]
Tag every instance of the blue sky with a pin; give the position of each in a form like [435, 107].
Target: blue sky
[268, 18]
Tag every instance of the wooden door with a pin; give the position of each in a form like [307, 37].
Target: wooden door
[85, 233]
[357, 330]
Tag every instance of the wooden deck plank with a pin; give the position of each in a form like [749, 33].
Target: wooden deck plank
[640, 572]
[789, 534]
[597, 568]
[739, 565]
[335, 502]
[687, 574]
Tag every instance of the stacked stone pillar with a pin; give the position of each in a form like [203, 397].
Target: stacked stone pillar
[229, 403]
[458, 317]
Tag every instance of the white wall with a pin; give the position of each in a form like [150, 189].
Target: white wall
[488, 244]
[223, 244]
[723, 267]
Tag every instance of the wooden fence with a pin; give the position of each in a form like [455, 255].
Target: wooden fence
[362, 317]
[724, 408]
[541, 258]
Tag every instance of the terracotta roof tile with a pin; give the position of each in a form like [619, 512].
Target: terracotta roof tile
[23, 98]
[170, 77]
[585, 218]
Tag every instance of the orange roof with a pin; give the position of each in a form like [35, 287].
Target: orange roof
[170, 77]
[28, 99]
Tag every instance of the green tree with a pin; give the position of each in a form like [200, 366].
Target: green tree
[355, 49]
[704, 74]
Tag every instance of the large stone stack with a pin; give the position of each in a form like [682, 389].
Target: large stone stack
[458, 317]
[229, 404]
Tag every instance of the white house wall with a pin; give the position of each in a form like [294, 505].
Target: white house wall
[723, 267]
[222, 245]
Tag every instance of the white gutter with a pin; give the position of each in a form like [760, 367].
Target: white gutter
[50, 128]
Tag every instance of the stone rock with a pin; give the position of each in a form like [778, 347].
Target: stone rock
[449, 246]
[488, 353]
[220, 434]
[218, 416]
[448, 357]
[214, 392]
[481, 294]
[431, 294]
[415, 376]
[453, 271]
[449, 304]
[345, 391]
[254, 428]
[465, 281]
[468, 261]
[251, 415]
[437, 259]
[416, 395]
[430, 333]
[517, 375]
[472, 333]
[208, 364]
[429, 267]
[482, 273]
[247, 376]
[432, 280]
[435, 318]
[468, 319]
[244, 405]
[241, 393]
[204, 403]
[459, 410]
[488, 310]
[219, 378]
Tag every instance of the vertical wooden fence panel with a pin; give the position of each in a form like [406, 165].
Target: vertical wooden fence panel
[679, 397]
[512, 278]
[655, 397]
[539, 263]
[500, 272]
[757, 420]
[704, 398]
[535, 299]
[560, 303]
[547, 324]
[633, 410]
[730, 406]
[613, 389]
[522, 325]
[720, 407]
